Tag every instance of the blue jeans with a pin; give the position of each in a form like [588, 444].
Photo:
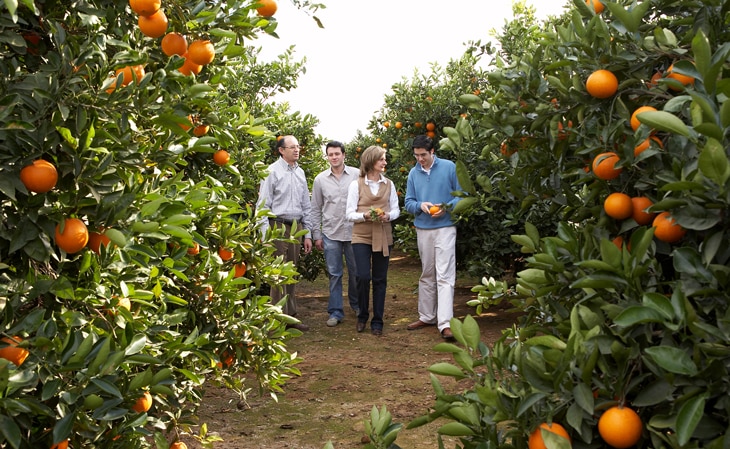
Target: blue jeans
[333, 252]
[378, 274]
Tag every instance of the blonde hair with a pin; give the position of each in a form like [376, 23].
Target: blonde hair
[369, 157]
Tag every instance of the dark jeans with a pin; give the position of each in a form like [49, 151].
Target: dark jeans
[373, 267]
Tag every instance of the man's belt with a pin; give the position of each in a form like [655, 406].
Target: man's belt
[286, 221]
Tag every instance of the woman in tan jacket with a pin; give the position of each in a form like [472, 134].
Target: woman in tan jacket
[372, 204]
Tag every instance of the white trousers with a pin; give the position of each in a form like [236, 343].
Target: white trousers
[437, 249]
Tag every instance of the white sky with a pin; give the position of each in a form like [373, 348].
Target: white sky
[366, 46]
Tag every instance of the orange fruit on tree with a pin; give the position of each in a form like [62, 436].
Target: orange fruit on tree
[619, 242]
[666, 228]
[143, 403]
[124, 303]
[154, 25]
[620, 427]
[640, 204]
[12, 352]
[635, 123]
[194, 250]
[225, 254]
[239, 269]
[62, 445]
[644, 145]
[189, 66]
[596, 5]
[96, 239]
[386, 124]
[602, 84]
[174, 44]
[618, 205]
[536, 442]
[201, 52]
[267, 9]
[178, 445]
[39, 177]
[201, 130]
[684, 79]
[604, 166]
[418, 124]
[430, 126]
[431, 134]
[145, 7]
[74, 237]
[398, 125]
[221, 157]
[654, 80]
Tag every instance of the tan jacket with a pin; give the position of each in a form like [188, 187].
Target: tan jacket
[375, 233]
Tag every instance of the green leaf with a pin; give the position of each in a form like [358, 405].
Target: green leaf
[470, 332]
[464, 205]
[63, 427]
[462, 175]
[471, 101]
[446, 369]
[452, 134]
[689, 416]
[672, 359]
[10, 431]
[549, 341]
[664, 121]
[713, 162]
[702, 53]
[633, 315]
[455, 429]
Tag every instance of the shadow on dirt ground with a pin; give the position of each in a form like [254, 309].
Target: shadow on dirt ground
[345, 374]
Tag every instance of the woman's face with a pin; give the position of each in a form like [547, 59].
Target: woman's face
[380, 164]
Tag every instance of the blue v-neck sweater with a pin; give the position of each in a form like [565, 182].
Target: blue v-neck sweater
[435, 186]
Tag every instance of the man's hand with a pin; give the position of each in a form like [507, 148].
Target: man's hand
[307, 245]
[319, 244]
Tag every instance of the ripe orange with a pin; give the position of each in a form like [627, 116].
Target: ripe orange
[596, 4]
[174, 44]
[620, 427]
[643, 146]
[194, 250]
[12, 352]
[602, 84]
[221, 157]
[74, 237]
[536, 442]
[153, 26]
[684, 79]
[187, 126]
[145, 7]
[201, 52]
[96, 239]
[641, 203]
[618, 205]
[239, 269]
[39, 177]
[189, 66]
[178, 445]
[143, 403]
[398, 125]
[604, 166]
[430, 126]
[201, 130]
[267, 9]
[635, 123]
[434, 209]
[386, 124]
[431, 134]
[619, 242]
[225, 254]
[418, 124]
[666, 228]
[62, 445]
[562, 132]
[654, 80]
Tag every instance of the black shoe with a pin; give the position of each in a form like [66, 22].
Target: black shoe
[299, 326]
[360, 326]
[377, 332]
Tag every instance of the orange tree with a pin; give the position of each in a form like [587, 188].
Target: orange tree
[637, 322]
[151, 310]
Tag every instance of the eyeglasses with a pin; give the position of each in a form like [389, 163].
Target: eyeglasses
[293, 147]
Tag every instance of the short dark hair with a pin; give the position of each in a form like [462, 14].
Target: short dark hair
[422, 141]
[334, 144]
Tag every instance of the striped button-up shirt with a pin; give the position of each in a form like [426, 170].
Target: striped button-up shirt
[285, 193]
[329, 205]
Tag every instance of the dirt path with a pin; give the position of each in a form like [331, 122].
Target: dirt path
[345, 374]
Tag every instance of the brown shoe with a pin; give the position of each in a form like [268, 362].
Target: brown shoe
[377, 332]
[299, 326]
[360, 326]
[447, 334]
[418, 325]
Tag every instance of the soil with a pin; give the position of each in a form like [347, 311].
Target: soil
[345, 374]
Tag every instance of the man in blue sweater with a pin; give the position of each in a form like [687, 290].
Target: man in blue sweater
[429, 197]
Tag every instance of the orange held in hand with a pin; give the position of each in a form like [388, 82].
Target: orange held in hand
[434, 209]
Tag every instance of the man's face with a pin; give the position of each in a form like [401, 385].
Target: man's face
[424, 157]
[290, 150]
[336, 157]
